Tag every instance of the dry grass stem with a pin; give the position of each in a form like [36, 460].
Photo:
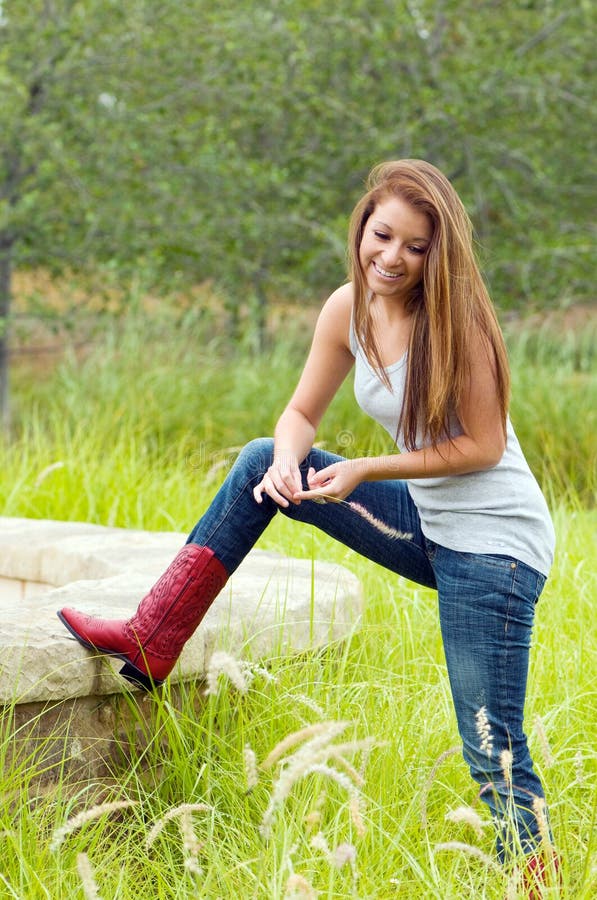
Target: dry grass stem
[311, 758]
[432, 776]
[250, 761]
[177, 811]
[47, 471]
[297, 886]
[484, 731]
[87, 876]
[82, 818]
[296, 737]
[540, 811]
[222, 663]
[469, 816]
[506, 761]
[459, 846]
[546, 753]
[380, 526]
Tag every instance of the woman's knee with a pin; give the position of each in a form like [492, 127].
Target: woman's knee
[256, 456]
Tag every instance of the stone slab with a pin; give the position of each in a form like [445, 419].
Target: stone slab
[271, 605]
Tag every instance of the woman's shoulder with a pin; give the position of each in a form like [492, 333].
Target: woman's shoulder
[335, 316]
[343, 295]
[339, 303]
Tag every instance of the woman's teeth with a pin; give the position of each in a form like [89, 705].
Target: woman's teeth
[384, 272]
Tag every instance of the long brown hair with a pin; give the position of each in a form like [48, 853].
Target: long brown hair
[450, 304]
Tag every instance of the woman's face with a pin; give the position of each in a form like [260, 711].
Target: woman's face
[395, 241]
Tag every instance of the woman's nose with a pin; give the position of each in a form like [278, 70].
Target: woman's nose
[392, 254]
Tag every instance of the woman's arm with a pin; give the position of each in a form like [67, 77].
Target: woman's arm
[327, 366]
[481, 446]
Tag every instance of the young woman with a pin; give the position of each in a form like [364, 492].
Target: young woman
[416, 322]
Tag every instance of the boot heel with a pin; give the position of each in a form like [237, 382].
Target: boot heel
[139, 678]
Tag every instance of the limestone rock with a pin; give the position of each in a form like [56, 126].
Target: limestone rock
[272, 605]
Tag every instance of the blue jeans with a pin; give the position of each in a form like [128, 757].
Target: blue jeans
[486, 609]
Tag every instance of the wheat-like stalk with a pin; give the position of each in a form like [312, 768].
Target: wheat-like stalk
[250, 761]
[472, 851]
[328, 729]
[222, 663]
[312, 757]
[540, 811]
[546, 753]
[82, 818]
[176, 812]
[380, 526]
[431, 778]
[484, 730]
[579, 767]
[364, 513]
[469, 816]
[297, 886]
[506, 760]
[87, 876]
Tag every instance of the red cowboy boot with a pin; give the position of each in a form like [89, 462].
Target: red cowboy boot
[541, 871]
[152, 640]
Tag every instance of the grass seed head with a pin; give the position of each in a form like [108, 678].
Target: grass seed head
[344, 853]
[297, 886]
[506, 761]
[184, 810]
[319, 842]
[580, 768]
[540, 811]
[87, 876]
[250, 761]
[380, 526]
[467, 815]
[461, 847]
[222, 663]
[82, 818]
[546, 753]
[324, 731]
[484, 731]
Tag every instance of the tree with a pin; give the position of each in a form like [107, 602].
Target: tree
[217, 139]
[79, 113]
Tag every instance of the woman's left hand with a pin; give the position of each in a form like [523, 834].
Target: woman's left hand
[335, 482]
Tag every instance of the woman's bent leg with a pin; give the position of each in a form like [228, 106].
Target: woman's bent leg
[234, 520]
[151, 641]
[487, 606]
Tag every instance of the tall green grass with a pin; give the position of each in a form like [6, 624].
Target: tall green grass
[143, 429]
[156, 405]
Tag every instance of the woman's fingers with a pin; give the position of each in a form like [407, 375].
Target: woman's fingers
[280, 486]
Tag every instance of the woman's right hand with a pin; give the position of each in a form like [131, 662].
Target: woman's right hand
[281, 481]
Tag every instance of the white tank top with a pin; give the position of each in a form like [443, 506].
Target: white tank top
[499, 510]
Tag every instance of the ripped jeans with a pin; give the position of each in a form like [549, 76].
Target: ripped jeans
[486, 610]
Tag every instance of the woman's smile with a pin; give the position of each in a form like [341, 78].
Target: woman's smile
[393, 247]
[383, 272]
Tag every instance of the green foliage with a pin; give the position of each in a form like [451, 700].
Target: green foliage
[225, 141]
[388, 680]
[228, 141]
[158, 413]
[139, 433]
